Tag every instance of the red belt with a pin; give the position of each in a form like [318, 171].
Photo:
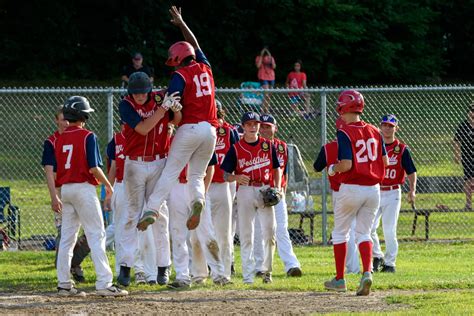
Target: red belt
[389, 187]
[147, 158]
[118, 181]
[183, 180]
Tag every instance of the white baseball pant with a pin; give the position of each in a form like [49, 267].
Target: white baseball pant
[193, 144]
[352, 259]
[140, 180]
[205, 248]
[283, 241]
[81, 206]
[390, 203]
[220, 200]
[179, 211]
[359, 202]
[249, 204]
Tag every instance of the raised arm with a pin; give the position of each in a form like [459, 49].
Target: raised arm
[177, 20]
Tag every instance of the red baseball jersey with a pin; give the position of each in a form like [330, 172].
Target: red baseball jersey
[255, 161]
[330, 151]
[282, 154]
[222, 147]
[156, 141]
[71, 157]
[367, 164]
[225, 124]
[198, 95]
[394, 172]
[52, 139]
[119, 139]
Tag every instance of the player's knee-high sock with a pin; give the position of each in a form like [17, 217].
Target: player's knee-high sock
[365, 249]
[340, 252]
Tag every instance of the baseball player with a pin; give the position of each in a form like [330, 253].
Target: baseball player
[220, 193]
[400, 164]
[145, 263]
[253, 163]
[194, 142]
[361, 161]
[78, 173]
[146, 117]
[326, 157]
[268, 128]
[81, 249]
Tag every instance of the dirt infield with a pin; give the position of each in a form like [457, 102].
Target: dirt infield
[203, 302]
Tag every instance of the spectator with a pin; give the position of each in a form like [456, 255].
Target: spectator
[296, 79]
[136, 66]
[464, 153]
[266, 73]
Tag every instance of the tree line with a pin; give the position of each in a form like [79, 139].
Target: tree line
[340, 42]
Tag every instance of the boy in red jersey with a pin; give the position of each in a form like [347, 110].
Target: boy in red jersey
[78, 173]
[400, 164]
[146, 117]
[362, 160]
[194, 142]
[268, 128]
[253, 163]
[81, 250]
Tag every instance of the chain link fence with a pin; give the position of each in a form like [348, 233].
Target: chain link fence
[429, 117]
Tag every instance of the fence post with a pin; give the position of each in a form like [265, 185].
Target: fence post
[110, 115]
[324, 177]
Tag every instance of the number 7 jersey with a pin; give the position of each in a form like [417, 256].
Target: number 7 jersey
[198, 95]
[367, 151]
[71, 157]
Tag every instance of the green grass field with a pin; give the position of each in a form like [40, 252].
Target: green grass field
[431, 278]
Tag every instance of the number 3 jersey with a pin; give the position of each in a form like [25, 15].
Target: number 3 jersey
[367, 148]
[76, 152]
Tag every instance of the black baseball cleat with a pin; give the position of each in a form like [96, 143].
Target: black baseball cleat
[294, 272]
[377, 264]
[388, 269]
[260, 274]
[124, 276]
[232, 269]
[163, 275]
[78, 274]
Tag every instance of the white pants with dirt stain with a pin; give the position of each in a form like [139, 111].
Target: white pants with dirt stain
[193, 145]
[205, 248]
[140, 179]
[81, 206]
[179, 211]
[249, 204]
[220, 200]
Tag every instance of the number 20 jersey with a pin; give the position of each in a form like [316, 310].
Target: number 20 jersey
[198, 96]
[367, 164]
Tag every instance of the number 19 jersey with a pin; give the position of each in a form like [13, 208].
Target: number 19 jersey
[367, 164]
[198, 95]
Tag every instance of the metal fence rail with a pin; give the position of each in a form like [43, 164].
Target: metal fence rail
[428, 118]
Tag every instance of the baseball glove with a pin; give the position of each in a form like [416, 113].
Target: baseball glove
[271, 196]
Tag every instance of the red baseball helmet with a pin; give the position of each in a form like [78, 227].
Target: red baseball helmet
[178, 52]
[350, 101]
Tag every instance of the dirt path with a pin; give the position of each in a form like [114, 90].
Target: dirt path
[205, 302]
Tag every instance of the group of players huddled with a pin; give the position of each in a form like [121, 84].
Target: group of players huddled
[179, 196]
